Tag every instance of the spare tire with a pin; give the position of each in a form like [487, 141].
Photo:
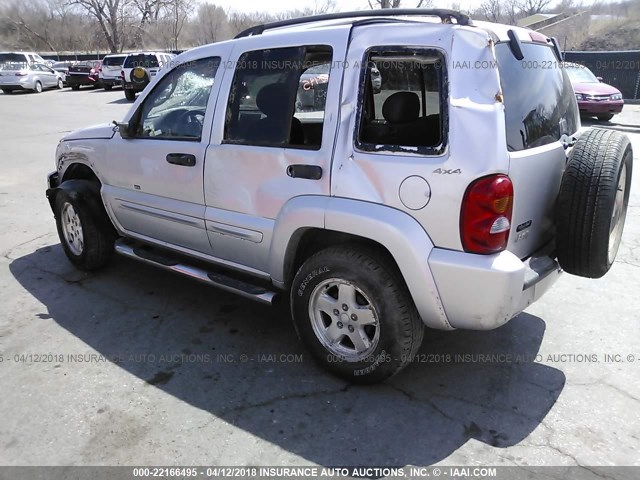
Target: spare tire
[140, 76]
[592, 203]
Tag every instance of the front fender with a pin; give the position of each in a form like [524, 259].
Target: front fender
[86, 192]
[397, 232]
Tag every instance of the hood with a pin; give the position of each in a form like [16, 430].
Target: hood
[106, 130]
[594, 88]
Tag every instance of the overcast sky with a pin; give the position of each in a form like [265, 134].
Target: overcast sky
[342, 5]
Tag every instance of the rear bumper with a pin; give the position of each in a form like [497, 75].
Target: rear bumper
[136, 87]
[483, 292]
[81, 80]
[114, 82]
[600, 107]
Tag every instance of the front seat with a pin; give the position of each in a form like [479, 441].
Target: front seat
[277, 127]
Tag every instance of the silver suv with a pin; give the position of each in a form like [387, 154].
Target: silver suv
[450, 196]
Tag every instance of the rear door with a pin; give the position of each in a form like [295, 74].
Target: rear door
[540, 109]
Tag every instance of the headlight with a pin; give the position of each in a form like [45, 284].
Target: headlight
[579, 96]
[616, 96]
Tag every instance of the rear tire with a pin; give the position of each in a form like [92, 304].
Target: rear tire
[606, 117]
[75, 87]
[60, 84]
[592, 203]
[7, 91]
[86, 242]
[130, 95]
[37, 87]
[352, 310]
[107, 88]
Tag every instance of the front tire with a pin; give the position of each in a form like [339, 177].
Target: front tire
[352, 310]
[87, 243]
[37, 87]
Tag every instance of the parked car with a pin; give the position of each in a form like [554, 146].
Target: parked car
[110, 71]
[16, 60]
[595, 98]
[139, 69]
[63, 69]
[35, 77]
[84, 73]
[454, 199]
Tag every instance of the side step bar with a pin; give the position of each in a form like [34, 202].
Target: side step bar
[224, 282]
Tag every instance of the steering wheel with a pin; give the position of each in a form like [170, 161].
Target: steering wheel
[191, 116]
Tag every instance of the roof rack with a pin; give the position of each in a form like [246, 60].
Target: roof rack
[445, 15]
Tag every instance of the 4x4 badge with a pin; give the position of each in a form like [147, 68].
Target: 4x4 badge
[444, 171]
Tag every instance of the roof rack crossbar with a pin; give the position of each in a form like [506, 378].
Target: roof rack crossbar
[445, 15]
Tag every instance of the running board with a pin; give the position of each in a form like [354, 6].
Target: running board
[160, 259]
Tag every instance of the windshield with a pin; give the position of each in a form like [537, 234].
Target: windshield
[113, 61]
[12, 61]
[580, 74]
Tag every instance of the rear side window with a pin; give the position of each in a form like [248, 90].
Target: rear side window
[12, 61]
[141, 60]
[540, 105]
[403, 101]
[278, 97]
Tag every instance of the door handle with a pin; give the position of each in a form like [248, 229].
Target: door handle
[184, 159]
[312, 172]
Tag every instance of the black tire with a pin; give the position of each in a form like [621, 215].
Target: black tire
[7, 91]
[75, 87]
[98, 238]
[37, 87]
[107, 88]
[586, 245]
[60, 84]
[130, 95]
[605, 117]
[381, 285]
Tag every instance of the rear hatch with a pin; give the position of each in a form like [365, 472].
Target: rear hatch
[540, 112]
[111, 66]
[145, 60]
[13, 66]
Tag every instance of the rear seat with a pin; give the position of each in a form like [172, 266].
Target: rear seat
[403, 124]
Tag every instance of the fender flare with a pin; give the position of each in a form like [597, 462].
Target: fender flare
[395, 230]
[86, 192]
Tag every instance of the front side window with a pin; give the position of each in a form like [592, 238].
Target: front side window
[539, 102]
[278, 97]
[176, 107]
[403, 102]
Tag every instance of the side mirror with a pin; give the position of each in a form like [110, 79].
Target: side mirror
[123, 128]
[599, 79]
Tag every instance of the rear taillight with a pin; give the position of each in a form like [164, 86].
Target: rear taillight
[485, 219]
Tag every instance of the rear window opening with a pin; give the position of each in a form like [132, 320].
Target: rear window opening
[540, 106]
[403, 103]
[12, 61]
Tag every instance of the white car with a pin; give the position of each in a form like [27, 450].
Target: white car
[110, 71]
[451, 197]
[35, 77]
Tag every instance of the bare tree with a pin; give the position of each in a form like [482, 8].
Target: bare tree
[531, 7]
[113, 19]
[210, 24]
[374, 4]
[491, 10]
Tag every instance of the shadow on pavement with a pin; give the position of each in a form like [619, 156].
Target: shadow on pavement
[242, 363]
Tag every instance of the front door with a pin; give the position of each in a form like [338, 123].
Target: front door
[275, 141]
[154, 183]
